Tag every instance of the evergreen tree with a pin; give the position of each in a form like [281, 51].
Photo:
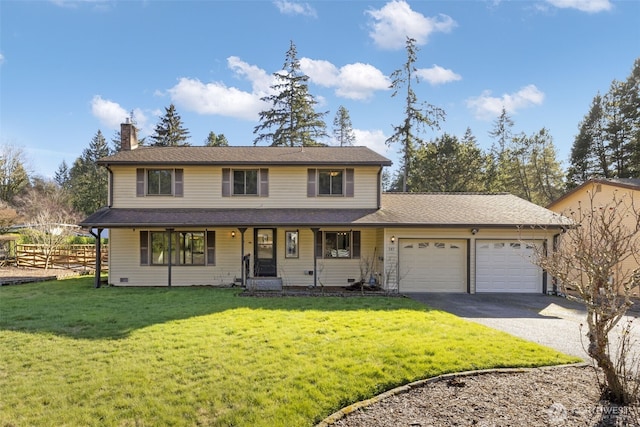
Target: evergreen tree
[417, 115]
[502, 133]
[342, 127]
[448, 165]
[62, 175]
[170, 132]
[88, 181]
[214, 140]
[292, 120]
[608, 142]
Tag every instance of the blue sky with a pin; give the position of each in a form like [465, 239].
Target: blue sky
[69, 68]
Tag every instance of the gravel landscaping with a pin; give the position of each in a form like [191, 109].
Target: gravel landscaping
[556, 396]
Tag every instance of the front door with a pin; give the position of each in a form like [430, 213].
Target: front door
[265, 252]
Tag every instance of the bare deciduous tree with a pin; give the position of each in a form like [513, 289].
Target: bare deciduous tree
[590, 259]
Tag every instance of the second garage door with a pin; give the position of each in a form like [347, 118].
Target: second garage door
[431, 265]
[505, 266]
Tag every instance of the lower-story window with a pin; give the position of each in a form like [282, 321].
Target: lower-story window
[187, 247]
[338, 244]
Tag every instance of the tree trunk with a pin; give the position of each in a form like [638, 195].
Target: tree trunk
[598, 350]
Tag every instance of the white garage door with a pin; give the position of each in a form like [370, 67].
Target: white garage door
[505, 266]
[431, 265]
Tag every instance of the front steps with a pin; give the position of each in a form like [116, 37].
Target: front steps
[264, 284]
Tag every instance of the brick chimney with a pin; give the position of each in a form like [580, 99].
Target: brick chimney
[128, 138]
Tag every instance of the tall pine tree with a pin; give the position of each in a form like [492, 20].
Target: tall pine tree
[87, 182]
[292, 120]
[170, 132]
[343, 128]
[417, 115]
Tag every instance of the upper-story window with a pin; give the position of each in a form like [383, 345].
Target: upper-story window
[159, 182]
[245, 182]
[330, 182]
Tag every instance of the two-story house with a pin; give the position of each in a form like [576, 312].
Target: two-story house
[307, 216]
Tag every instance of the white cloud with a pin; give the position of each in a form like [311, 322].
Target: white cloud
[109, 113]
[437, 75]
[374, 139]
[487, 107]
[396, 21]
[590, 6]
[1, 59]
[294, 8]
[216, 98]
[261, 82]
[353, 81]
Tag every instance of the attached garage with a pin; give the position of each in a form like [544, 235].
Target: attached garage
[432, 265]
[506, 266]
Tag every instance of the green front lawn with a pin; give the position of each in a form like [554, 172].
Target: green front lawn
[73, 355]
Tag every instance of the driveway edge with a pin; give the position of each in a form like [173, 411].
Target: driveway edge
[338, 415]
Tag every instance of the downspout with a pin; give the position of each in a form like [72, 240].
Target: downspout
[379, 196]
[242, 257]
[98, 257]
[315, 255]
[110, 201]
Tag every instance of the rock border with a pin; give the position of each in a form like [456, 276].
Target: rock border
[342, 413]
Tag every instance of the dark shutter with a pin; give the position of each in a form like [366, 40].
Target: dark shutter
[211, 247]
[311, 183]
[264, 182]
[179, 182]
[355, 241]
[144, 248]
[226, 182]
[139, 182]
[349, 183]
[319, 244]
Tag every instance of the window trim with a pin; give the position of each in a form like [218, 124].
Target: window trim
[330, 172]
[142, 182]
[313, 182]
[355, 244]
[256, 184]
[147, 250]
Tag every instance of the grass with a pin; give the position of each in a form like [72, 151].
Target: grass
[73, 355]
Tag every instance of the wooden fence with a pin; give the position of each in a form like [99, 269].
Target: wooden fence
[75, 257]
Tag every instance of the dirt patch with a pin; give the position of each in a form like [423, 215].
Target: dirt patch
[15, 275]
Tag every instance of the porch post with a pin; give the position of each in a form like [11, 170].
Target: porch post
[242, 271]
[315, 230]
[96, 283]
[169, 231]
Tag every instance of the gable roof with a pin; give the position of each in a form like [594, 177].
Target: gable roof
[398, 210]
[627, 183]
[247, 155]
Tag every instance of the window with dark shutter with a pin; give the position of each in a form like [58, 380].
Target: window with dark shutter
[264, 182]
[349, 181]
[319, 244]
[355, 247]
[211, 247]
[144, 247]
[226, 182]
[139, 182]
[179, 182]
[311, 183]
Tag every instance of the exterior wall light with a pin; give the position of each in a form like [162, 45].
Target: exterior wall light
[233, 234]
[393, 239]
[474, 231]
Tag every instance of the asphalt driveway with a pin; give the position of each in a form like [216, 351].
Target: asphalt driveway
[551, 321]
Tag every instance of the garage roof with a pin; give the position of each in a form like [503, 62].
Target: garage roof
[398, 210]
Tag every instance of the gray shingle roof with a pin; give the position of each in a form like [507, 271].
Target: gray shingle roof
[248, 155]
[420, 210]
